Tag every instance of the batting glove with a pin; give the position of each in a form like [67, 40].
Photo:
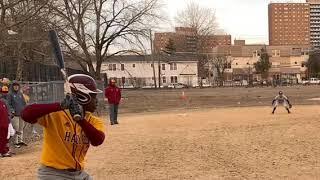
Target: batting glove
[65, 104]
[76, 110]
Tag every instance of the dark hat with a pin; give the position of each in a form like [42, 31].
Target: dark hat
[15, 83]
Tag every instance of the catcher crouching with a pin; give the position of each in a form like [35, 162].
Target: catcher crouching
[67, 139]
[283, 100]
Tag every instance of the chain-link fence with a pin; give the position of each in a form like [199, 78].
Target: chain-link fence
[53, 91]
[46, 92]
[49, 92]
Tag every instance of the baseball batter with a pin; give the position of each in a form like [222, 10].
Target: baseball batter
[67, 140]
[283, 100]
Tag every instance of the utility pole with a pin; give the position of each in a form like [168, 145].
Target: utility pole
[152, 59]
[159, 69]
[159, 73]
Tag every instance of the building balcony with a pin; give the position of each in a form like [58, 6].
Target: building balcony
[315, 38]
[314, 14]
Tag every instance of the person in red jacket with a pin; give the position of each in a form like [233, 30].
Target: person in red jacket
[113, 96]
[4, 123]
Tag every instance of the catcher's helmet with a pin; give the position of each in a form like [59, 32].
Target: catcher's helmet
[82, 86]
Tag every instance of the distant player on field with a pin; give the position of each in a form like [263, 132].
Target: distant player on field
[281, 99]
[67, 140]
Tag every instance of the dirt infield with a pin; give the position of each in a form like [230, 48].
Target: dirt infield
[229, 143]
[163, 100]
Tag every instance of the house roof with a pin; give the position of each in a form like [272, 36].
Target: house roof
[148, 58]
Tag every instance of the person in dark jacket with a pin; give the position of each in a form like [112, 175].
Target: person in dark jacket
[113, 96]
[17, 103]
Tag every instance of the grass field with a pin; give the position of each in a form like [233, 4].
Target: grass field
[202, 143]
[164, 100]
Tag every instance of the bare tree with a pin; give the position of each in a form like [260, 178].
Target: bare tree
[218, 65]
[21, 30]
[95, 30]
[202, 19]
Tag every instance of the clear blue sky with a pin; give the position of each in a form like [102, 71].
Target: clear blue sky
[245, 19]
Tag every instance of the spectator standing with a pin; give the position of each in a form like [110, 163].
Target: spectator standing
[4, 123]
[113, 96]
[17, 103]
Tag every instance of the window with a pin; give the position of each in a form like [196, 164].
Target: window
[164, 80]
[255, 53]
[174, 79]
[173, 66]
[163, 67]
[133, 65]
[275, 53]
[122, 67]
[112, 67]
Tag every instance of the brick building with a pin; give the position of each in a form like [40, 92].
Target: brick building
[186, 40]
[314, 22]
[289, 24]
[288, 62]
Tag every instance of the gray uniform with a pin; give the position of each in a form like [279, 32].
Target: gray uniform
[281, 100]
[48, 173]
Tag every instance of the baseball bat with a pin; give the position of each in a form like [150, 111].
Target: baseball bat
[58, 56]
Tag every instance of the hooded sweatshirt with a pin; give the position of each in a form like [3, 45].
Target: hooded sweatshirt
[113, 94]
[16, 102]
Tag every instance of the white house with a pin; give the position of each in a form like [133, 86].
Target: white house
[137, 70]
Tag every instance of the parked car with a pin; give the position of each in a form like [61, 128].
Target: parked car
[177, 85]
[314, 81]
[148, 87]
[311, 81]
[305, 82]
[237, 83]
[127, 86]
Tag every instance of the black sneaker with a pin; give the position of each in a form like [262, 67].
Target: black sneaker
[17, 145]
[6, 155]
[22, 144]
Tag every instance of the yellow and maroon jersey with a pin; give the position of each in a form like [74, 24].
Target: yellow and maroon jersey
[65, 144]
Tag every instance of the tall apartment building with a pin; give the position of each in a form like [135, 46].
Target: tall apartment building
[289, 24]
[186, 40]
[314, 22]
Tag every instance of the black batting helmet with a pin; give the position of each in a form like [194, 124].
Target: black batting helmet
[82, 86]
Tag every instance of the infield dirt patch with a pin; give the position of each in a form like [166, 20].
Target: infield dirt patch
[224, 143]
